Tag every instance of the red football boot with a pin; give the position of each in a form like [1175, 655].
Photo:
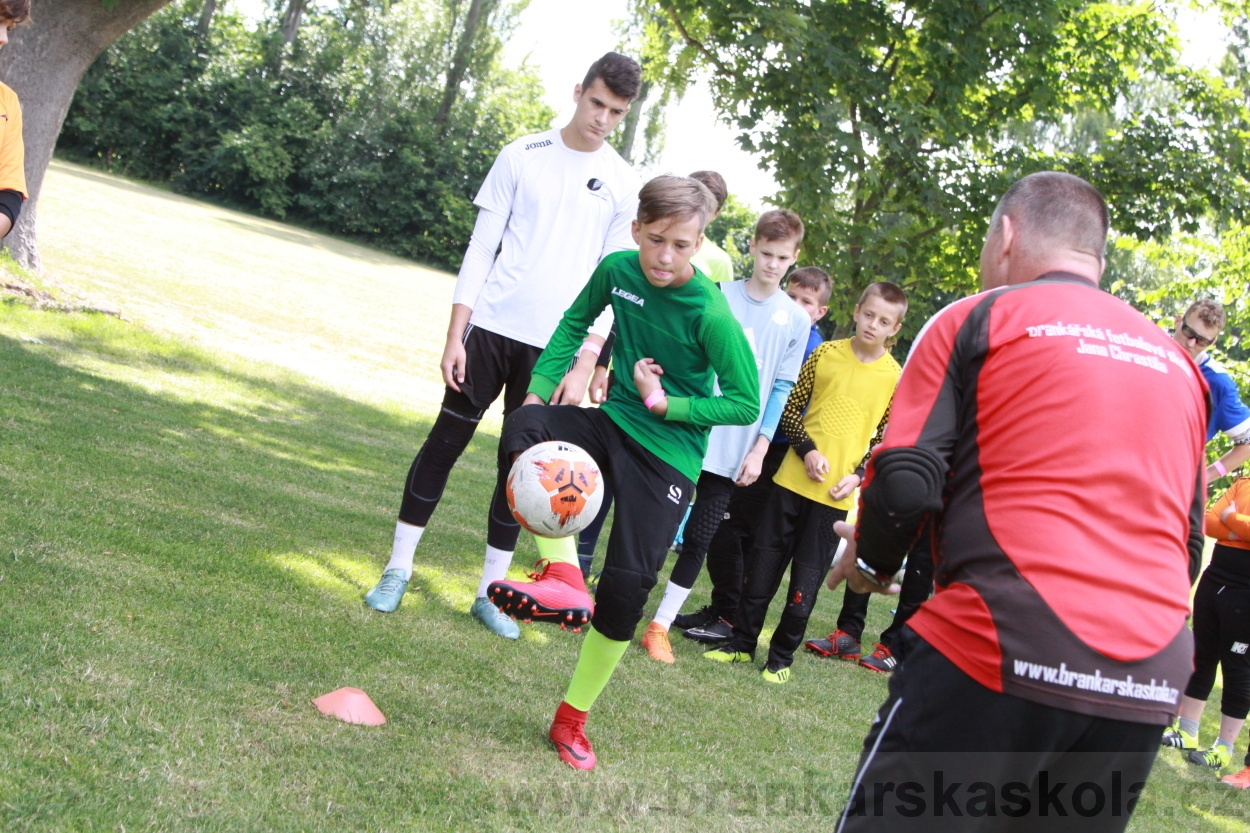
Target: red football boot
[557, 595]
[840, 644]
[569, 738]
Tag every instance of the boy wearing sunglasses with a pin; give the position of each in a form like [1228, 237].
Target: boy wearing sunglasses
[1195, 331]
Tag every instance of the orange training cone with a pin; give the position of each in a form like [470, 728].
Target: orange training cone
[351, 705]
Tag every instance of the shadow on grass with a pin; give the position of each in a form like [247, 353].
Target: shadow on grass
[207, 502]
[184, 548]
[83, 171]
[317, 240]
[268, 470]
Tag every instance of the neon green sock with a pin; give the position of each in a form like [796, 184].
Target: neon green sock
[595, 665]
[561, 550]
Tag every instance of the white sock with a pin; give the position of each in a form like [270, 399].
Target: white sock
[495, 568]
[405, 547]
[674, 597]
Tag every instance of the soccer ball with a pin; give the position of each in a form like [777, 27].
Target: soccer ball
[555, 489]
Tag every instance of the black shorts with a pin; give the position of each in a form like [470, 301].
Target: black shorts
[495, 364]
[945, 753]
[650, 498]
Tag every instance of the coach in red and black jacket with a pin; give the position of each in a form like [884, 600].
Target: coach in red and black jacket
[1057, 435]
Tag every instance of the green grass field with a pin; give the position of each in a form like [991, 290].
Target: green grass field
[193, 500]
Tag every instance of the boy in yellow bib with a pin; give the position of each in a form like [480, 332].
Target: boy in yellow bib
[845, 388]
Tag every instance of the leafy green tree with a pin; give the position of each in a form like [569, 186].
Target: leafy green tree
[893, 127]
[732, 231]
[667, 71]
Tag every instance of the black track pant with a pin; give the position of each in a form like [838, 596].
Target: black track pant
[796, 533]
[736, 534]
[948, 754]
[650, 499]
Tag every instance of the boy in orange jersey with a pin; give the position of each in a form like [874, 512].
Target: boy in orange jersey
[12, 150]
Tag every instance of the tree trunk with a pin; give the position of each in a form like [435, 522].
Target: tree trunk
[289, 27]
[291, 19]
[479, 10]
[43, 63]
[206, 19]
[629, 129]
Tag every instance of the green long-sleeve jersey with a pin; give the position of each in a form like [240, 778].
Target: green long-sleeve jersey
[689, 331]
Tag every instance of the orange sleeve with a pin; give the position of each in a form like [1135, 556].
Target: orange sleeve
[12, 149]
[1213, 526]
[1238, 522]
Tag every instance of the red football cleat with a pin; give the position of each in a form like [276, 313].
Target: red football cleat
[556, 595]
[881, 660]
[840, 644]
[1240, 780]
[569, 738]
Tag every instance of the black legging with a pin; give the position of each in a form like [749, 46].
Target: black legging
[1222, 635]
[735, 535]
[711, 498]
[427, 476]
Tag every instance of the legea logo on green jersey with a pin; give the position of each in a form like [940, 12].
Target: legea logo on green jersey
[628, 296]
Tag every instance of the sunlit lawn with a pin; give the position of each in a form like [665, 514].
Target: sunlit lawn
[192, 503]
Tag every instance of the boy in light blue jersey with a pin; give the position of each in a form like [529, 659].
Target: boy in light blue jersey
[777, 329]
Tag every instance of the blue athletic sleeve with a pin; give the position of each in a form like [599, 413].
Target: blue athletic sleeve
[776, 404]
[1228, 413]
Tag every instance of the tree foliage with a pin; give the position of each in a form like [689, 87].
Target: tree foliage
[893, 127]
[342, 135]
[732, 231]
[667, 72]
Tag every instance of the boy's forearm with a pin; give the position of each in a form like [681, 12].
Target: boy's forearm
[1238, 522]
[761, 446]
[458, 322]
[566, 342]
[796, 404]
[775, 407]
[479, 257]
[734, 365]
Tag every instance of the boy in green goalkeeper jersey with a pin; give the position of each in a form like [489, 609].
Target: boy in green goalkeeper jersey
[692, 368]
